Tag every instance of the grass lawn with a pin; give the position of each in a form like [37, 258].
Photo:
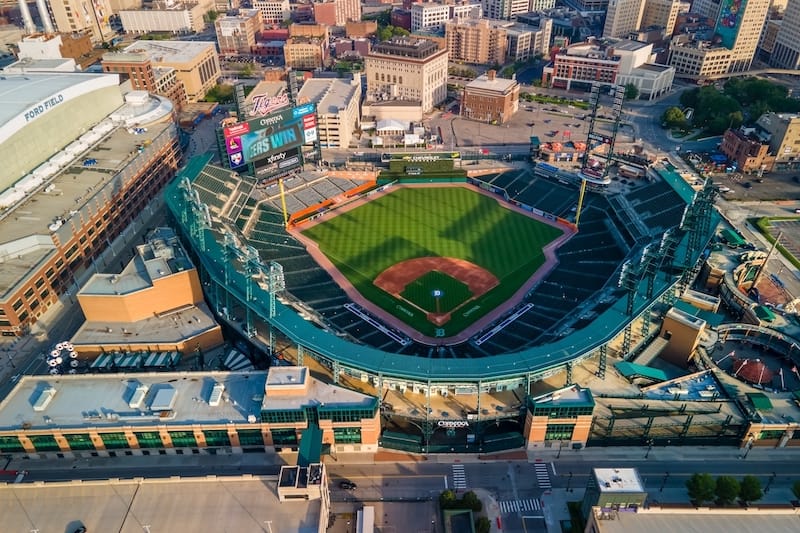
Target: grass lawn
[422, 292]
[433, 221]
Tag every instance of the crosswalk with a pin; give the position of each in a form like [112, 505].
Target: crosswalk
[516, 506]
[459, 477]
[542, 476]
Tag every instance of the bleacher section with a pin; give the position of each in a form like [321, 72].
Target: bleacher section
[306, 189]
[548, 195]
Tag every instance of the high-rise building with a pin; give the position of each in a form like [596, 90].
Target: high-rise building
[476, 41]
[623, 17]
[71, 16]
[707, 8]
[504, 9]
[336, 12]
[237, 34]
[407, 69]
[786, 52]
[429, 16]
[307, 47]
[660, 13]
[273, 11]
[739, 26]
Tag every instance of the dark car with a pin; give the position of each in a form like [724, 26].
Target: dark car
[347, 485]
[796, 179]
[747, 185]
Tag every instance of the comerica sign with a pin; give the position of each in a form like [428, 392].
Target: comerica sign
[43, 107]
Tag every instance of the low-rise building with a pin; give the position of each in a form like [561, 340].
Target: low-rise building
[784, 140]
[526, 41]
[164, 16]
[488, 98]
[698, 60]
[338, 113]
[748, 148]
[155, 304]
[236, 34]
[158, 411]
[563, 416]
[355, 29]
[611, 62]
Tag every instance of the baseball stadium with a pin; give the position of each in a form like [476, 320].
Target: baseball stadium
[438, 282]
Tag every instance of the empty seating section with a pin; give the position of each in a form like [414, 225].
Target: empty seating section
[658, 206]
[214, 187]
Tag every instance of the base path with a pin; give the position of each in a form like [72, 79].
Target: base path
[395, 278]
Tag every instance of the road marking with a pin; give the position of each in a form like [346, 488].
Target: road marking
[445, 482]
[519, 506]
[553, 465]
[542, 476]
[459, 477]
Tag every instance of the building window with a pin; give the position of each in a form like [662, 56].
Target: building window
[148, 439]
[284, 437]
[250, 437]
[347, 435]
[10, 444]
[182, 439]
[559, 432]
[217, 437]
[114, 441]
[44, 443]
[79, 441]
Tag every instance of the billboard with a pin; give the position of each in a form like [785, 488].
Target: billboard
[730, 18]
[271, 141]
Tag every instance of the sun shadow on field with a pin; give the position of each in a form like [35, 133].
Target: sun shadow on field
[393, 250]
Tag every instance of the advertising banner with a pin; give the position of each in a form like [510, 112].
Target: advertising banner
[730, 18]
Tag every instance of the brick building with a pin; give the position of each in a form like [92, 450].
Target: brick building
[488, 98]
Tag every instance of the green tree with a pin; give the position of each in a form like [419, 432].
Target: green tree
[796, 489]
[750, 489]
[397, 31]
[673, 117]
[483, 525]
[631, 92]
[701, 488]
[471, 501]
[385, 33]
[727, 489]
[246, 71]
[211, 16]
[447, 500]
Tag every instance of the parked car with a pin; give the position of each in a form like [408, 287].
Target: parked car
[347, 485]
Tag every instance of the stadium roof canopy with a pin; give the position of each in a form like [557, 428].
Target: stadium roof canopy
[21, 95]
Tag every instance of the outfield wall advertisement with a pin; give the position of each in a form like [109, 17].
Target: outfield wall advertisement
[271, 142]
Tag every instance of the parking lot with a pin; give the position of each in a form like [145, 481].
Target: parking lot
[742, 186]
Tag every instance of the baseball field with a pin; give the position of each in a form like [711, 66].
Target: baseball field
[437, 258]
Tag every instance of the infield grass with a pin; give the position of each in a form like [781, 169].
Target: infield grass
[433, 221]
[451, 292]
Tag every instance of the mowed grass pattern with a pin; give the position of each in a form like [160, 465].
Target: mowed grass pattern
[452, 292]
[433, 221]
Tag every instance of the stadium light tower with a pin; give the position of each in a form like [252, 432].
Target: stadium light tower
[593, 170]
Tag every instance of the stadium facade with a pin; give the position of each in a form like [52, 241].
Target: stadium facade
[80, 161]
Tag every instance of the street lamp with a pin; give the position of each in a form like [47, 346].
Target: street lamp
[560, 444]
[771, 479]
[649, 447]
[569, 482]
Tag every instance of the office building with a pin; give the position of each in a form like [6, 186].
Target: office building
[164, 16]
[307, 47]
[490, 99]
[429, 16]
[407, 69]
[783, 130]
[504, 9]
[196, 63]
[273, 11]
[74, 16]
[623, 17]
[138, 68]
[786, 52]
[660, 13]
[236, 34]
[338, 112]
[77, 172]
[336, 12]
[620, 489]
[526, 41]
[748, 149]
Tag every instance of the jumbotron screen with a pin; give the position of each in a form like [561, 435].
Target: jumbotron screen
[271, 142]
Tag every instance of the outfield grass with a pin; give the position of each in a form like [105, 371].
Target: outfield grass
[434, 221]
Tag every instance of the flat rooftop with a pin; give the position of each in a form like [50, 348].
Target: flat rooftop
[618, 480]
[330, 95]
[175, 327]
[221, 504]
[104, 400]
[483, 82]
[171, 51]
[317, 392]
[691, 521]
